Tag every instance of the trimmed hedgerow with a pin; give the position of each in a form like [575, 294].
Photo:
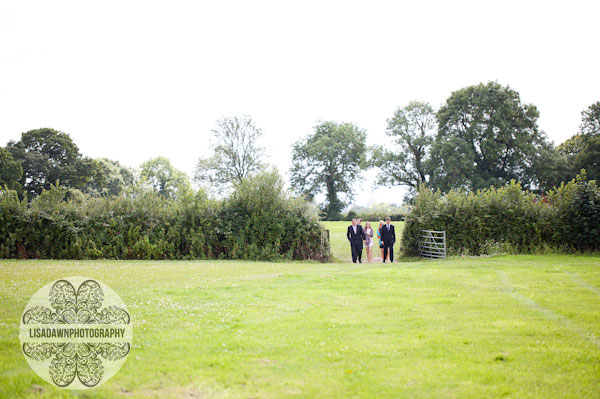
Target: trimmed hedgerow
[509, 219]
[259, 221]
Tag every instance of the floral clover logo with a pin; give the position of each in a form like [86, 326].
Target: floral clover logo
[75, 342]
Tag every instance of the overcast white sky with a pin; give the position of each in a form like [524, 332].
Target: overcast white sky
[130, 80]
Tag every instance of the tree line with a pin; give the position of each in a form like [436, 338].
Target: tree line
[46, 157]
[482, 136]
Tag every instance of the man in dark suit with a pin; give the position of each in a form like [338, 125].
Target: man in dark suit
[356, 235]
[388, 238]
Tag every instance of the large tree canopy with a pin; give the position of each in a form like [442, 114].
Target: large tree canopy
[589, 158]
[48, 156]
[486, 137]
[10, 171]
[236, 154]
[165, 179]
[330, 161]
[109, 178]
[582, 150]
[412, 129]
[590, 120]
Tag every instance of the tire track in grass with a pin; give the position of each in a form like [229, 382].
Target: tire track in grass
[576, 278]
[506, 286]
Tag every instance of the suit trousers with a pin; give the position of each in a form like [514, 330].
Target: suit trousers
[385, 252]
[356, 252]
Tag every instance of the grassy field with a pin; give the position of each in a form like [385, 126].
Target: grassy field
[506, 326]
[340, 248]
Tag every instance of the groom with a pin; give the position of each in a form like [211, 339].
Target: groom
[388, 238]
[356, 235]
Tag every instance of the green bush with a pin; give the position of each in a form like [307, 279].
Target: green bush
[259, 221]
[377, 212]
[509, 219]
[577, 205]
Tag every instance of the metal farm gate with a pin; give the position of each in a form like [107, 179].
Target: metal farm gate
[432, 244]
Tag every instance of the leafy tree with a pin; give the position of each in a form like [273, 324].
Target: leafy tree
[236, 154]
[572, 150]
[590, 120]
[573, 146]
[48, 156]
[485, 137]
[582, 151]
[109, 178]
[589, 159]
[413, 130]
[549, 167]
[10, 171]
[329, 160]
[165, 179]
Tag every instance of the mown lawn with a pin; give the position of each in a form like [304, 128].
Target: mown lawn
[505, 326]
[340, 248]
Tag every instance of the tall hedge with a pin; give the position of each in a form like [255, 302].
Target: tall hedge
[259, 221]
[509, 219]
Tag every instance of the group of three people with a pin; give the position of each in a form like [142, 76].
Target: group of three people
[357, 236]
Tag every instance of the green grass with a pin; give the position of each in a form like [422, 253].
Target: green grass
[340, 248]
[505, 326]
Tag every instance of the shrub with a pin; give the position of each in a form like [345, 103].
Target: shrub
[509, 219]
[259, 221]
[577, 205]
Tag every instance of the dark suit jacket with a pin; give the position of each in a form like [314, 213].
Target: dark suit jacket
[388, 237]
[358, 237]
